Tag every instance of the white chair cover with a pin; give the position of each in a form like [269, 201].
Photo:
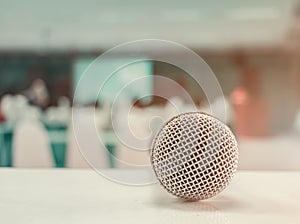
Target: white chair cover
[31, 146]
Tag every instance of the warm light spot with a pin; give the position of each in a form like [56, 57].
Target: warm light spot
[239, 96]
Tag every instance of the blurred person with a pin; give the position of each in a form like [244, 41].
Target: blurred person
[250, 109]
[60, 114]
[38, 94]
[299, 90]
[174, 107]
[11, 107]
[15, 108]
[2, 118]
[218, 105]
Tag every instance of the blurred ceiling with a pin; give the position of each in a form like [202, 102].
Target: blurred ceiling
[90, 24]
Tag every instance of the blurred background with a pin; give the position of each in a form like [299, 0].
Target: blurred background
[253, 47]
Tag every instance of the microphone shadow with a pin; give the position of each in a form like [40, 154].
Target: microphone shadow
[208, 211]
[219, 203]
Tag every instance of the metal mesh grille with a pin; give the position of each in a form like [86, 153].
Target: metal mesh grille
[194, 156]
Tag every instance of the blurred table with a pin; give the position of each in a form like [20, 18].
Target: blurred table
[6, 141]
[58, 141]
[110, 142]
[82, 196]
[270, 153]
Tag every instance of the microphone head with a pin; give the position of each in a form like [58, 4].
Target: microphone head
[194, 156]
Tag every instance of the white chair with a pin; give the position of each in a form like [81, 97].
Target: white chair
[31, 146]
[85, 141]
[74, 158]
[135, 133]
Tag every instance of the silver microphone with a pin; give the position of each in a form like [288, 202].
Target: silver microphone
[194, 156]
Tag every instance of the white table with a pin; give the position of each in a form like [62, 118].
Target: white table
[82, 196]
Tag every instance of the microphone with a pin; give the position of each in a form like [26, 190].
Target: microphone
[194, 156]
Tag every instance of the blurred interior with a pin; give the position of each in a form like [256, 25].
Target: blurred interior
[253, 47]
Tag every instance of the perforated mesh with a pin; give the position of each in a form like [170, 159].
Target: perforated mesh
[194, 156]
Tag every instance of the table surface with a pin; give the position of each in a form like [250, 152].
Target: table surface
[83, 196]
